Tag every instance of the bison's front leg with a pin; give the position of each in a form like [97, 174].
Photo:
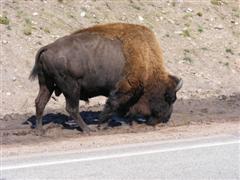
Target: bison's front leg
[119, 101]
[116, 104]
[72, 107]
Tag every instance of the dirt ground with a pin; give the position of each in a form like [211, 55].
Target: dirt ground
[192, 118]
[59, 140]
[200, 42]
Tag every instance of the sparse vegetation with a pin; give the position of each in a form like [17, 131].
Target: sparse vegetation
[186, 16]
[4, 20]
[228, 50]
[19, 14]
[200, 29]
[226, 63]
[27, 27]
[46, 30]
[188, 60]
[186, 33]
[27, 30]
[199, 14]
[187, 24]
[204, 48]
[216, 2]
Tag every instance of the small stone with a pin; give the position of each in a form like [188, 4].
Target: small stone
[34, 22]
[171, 21]
[35, 14]
[178, 32]
[14, 78]
[83, 14]
[4, 41]
[8, 94]
[223, 97]
[219, 27]
[189, 10]
[140, 18]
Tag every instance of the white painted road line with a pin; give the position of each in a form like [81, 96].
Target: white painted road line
[122, 155]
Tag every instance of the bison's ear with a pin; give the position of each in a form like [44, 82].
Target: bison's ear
[177, 81]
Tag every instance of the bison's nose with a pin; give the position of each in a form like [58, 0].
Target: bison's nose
[165, 119]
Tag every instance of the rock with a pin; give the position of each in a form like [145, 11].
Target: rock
[140, 18]
[14, 78]
[4, 41]
[171, 21]
[34, 22]
[83, 14]
[189, 10]
[219, 27]
[177, 32]
[8, 94]
[35, 14]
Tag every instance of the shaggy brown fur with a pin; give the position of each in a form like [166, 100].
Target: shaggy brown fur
[144, 61]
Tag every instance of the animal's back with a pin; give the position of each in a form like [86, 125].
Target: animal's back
[140, 47]
[97, 61]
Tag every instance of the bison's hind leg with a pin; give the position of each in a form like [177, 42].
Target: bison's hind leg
[46, 87]
[71, 90]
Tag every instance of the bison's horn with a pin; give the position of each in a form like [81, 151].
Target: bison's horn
[179, 85]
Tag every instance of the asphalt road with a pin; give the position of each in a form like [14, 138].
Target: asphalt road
[202, 158]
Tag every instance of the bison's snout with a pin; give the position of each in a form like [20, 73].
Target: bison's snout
[152, 121]
[161, 118]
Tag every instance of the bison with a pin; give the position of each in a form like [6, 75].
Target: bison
[120, 61]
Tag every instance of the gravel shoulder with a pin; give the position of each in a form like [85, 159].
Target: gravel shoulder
[118, 136]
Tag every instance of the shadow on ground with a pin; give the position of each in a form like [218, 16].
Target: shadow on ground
[90, 117]
[185, 111]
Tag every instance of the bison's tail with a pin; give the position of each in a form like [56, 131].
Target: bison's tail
[37, 66]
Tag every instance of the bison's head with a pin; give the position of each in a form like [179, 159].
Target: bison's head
[161, 103]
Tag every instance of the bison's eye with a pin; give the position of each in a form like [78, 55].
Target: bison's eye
[170, 98]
